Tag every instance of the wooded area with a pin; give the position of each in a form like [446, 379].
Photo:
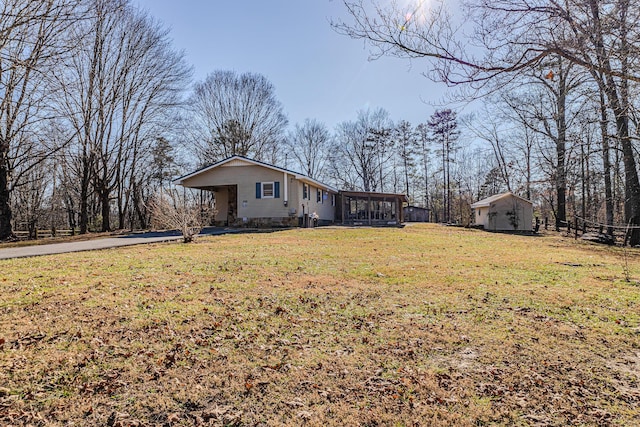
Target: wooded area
[98, 113]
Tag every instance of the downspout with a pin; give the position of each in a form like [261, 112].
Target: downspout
[286, 189]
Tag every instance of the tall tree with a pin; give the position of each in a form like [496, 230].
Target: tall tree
[119, 90]
[235, 114]
[444, 132]
[365, 150]
[31, 43]
[309, 145]
[424, 141]
[406, 142]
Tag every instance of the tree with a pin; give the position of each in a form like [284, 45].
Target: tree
[443, 125]
[119, 90]
[406, 142]
[30, 46]
[309, 145]
[171, 210]
[235, 114]
[365, 150]
[424, 140]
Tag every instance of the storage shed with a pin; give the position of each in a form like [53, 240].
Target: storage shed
[504, 212]
[416, 214]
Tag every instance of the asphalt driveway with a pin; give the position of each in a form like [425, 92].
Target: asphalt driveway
[105, 243]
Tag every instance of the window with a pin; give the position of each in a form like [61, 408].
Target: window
[305, 191]
[267, 190]
[333, 200]
[319, 196]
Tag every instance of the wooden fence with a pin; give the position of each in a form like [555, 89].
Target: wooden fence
[24, 234]
[578, 227]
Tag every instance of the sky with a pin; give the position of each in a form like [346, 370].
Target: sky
[317, 73]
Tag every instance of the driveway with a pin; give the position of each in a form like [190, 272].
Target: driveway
[106, 243]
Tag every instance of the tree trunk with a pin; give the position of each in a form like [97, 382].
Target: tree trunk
[606, 164]
[106, 209]
[6, 232]
[561, 141]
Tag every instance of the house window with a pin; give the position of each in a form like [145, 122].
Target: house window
[319, 196]
[267, 190]
[305, 191]
[333, 200]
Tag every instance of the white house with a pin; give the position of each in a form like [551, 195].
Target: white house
[250, 192]
[504, 212]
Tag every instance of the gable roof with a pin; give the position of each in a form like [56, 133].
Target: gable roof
[298, 176]
[487, 202]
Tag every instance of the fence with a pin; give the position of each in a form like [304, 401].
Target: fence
[25, 235]
[580, 226]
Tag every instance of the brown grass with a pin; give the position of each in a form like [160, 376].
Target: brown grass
[425, 325]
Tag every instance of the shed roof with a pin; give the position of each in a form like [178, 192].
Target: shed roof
[242, 159]
[487, 202]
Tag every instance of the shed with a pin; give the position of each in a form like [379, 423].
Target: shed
[417, 214]
[504, 212]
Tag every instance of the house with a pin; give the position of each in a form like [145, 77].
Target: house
[252, 193]
[504, 212]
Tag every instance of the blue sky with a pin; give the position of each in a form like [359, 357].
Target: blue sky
[316, 72]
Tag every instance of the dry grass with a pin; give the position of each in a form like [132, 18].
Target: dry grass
[425, 325]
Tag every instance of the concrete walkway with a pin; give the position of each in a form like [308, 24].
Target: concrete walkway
[105, 243]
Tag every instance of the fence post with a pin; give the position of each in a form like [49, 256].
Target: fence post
[546, 222]
[568, 227]
[576, 226]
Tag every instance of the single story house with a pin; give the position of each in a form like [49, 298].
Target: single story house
[252, 193]
[504, 212]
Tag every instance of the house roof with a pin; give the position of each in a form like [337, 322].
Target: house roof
[487, 202]
[298, 176]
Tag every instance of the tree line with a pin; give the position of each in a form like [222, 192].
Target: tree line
[566, 73]
[98, 114]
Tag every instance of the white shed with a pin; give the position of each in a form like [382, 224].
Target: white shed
[504, 212]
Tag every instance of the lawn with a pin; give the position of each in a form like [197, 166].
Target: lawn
[425, 325]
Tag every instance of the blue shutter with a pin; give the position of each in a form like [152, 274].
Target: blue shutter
[276, 189]
[258, 190]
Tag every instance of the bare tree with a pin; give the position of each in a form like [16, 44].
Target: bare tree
[424, 140]
[174, 211]
[30, 46]
[235, 114]
[120, 88]
[365, 150]
[406, 142]
[443, 125]
[309, 144]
